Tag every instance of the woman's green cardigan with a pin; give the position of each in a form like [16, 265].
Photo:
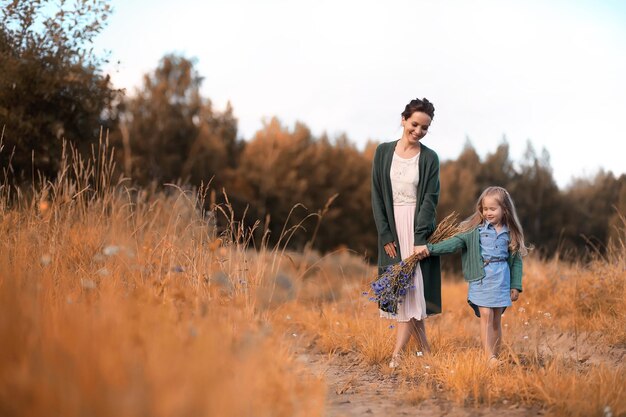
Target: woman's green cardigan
[424, 224]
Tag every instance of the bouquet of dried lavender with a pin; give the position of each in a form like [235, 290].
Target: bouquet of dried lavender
[392, 285]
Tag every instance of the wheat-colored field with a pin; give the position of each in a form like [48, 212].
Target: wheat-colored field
[123, 302]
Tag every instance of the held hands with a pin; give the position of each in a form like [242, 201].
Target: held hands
[421, 251]
[514, 294]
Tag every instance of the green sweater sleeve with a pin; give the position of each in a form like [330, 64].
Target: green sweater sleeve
[449, 245]
[425, 222]
[516, 271]
[378, 202]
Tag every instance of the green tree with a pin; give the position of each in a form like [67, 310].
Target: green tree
[342, 170]
[51, 86]
[497, 169]
[591, 210]
[538, 201]
[282, 167]
[170, 132]
[270, 175]
[459, 188]
[616, 221]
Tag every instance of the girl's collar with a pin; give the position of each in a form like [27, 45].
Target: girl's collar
[485, 225]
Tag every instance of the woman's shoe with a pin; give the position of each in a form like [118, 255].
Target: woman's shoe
[493, 362]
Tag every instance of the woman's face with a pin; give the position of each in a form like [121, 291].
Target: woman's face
[415, 127]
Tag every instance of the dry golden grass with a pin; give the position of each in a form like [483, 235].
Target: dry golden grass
[124, 302]
[556, 355]
[564, 341]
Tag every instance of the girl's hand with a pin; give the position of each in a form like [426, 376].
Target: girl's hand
[390, 249]
[421, 251]
[514, 294]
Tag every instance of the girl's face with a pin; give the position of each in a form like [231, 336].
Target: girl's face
[492, 210]
[415, 127]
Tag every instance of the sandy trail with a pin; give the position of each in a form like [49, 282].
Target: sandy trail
[358, 389]
[354, 389]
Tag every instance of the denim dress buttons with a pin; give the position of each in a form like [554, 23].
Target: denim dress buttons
[494, 290]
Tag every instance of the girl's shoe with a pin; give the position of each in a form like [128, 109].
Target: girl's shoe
[395, 362]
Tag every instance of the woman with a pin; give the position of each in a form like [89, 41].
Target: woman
[405, 193]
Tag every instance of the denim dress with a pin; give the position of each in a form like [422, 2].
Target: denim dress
[494, 290]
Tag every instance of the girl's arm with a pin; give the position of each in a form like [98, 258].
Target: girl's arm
[449, 245]
[516, 272]
[378, 202]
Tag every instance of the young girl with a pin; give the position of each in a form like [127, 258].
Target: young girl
[492, 246]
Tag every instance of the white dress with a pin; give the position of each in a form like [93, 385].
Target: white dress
[404, 180]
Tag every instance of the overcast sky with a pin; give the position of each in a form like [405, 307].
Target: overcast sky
[552, 72]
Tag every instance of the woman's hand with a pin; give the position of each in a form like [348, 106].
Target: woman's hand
[514, 294]
[421, 251]
[390, 249]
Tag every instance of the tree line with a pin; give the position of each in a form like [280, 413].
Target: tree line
[52, 88]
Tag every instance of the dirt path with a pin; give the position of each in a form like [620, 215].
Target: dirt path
[583, 348]
[355, 389]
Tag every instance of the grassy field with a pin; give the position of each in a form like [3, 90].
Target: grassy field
[117, 301]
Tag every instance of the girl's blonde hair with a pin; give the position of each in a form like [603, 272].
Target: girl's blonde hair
[509, 217]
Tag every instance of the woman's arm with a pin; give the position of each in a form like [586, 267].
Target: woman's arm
[428, 209]
[378, 202]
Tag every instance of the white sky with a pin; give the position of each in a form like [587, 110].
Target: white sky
[549, 72]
